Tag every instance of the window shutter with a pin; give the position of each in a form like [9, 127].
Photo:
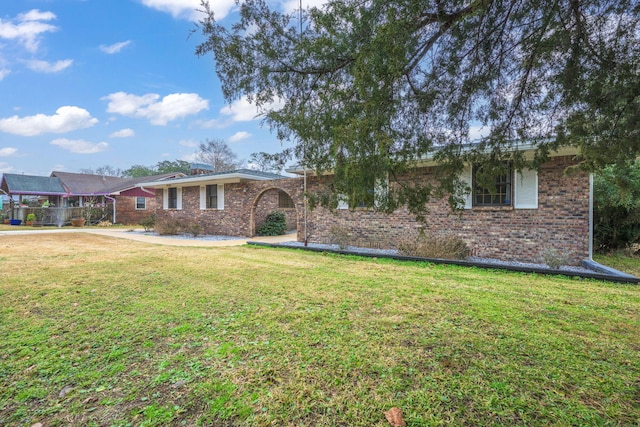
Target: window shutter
[179, 196]
[203, 197]
[467, 179]
[381, 190]
[165, 198]
[342, 202]
[526, 189]
[221, 196]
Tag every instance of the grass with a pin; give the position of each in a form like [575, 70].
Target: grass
[621, 261]
[100, 331]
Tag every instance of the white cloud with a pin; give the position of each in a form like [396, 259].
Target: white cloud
[66, 119]
[243, 111]
[188, 143]
[8, 151]
[49, 67]
[191, 157]
[209, 124]
[4, 72]
[114, 48]
[80, 146]
[239, 136]
[27, 28]
[188, 9]
[157, 111]
[123, 133]
[6, 167]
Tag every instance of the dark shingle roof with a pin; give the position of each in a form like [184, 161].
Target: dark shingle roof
[253, 172]
[30, 184]
[129, 183]
[89, 184]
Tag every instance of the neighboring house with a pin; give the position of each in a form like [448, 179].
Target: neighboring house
[131, 203]
[67, 190]
[16, 187]
[532, 213]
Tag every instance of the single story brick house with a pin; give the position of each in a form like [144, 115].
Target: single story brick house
[532, 212]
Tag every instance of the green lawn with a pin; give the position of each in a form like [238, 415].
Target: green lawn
[108, 332]
[621, 262]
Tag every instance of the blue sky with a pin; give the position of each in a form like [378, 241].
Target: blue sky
[88, 83]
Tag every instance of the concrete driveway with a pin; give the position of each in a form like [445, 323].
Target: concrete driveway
[139, 236]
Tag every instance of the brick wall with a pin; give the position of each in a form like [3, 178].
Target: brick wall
[561, 221]
[268, 202]
[126, 212]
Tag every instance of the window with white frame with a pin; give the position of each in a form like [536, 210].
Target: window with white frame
[172, 198]
[374, 195]
[212, 196]
[508, 188]
[141, 203]
[492, 188]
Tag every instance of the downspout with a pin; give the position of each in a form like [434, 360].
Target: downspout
[306, 202]
[114, 207]
[590, 217]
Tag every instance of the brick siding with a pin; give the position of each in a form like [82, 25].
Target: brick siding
[126, 212]
[560, 223]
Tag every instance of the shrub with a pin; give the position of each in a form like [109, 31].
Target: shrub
[339, 236]
[193, 228]
[554, 259]
[31, 217]
[430, 246]
[275, 225]
[148, 222]
[167, 227]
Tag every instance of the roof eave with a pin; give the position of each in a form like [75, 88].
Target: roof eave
[429, 160]
[223, 178]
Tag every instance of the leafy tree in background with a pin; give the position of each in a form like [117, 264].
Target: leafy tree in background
[217, 153]
[367, 87]
[105, 170]
[137, 171]
[266, 162]
[167, 166]
[617, 206]
[160, 168]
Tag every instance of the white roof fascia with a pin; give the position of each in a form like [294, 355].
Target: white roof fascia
[428, 160]
[201, 179]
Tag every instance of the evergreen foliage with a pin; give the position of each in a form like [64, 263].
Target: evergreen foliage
[617, 207]
[367, 88]
[275, 224]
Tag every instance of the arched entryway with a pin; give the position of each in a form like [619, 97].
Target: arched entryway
[269, 200]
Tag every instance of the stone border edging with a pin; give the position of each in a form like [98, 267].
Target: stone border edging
[610, 276]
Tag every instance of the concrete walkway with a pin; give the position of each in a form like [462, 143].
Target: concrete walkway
[138, 236]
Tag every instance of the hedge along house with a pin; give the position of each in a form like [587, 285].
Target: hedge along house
[232, 203]
[527, 215]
